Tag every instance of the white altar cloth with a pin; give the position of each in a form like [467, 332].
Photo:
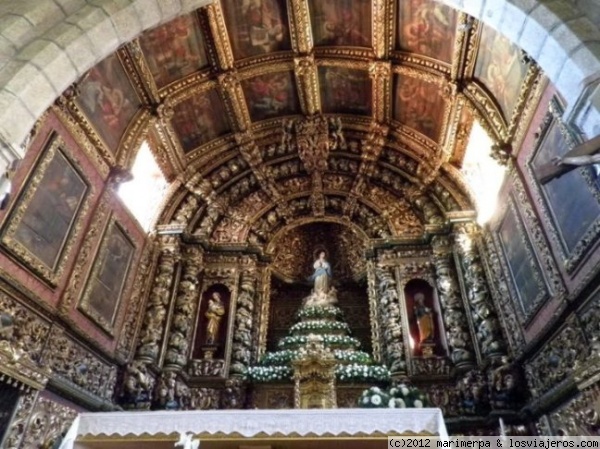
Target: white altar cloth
[312, 423]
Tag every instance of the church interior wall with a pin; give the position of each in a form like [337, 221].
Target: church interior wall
[544, 317]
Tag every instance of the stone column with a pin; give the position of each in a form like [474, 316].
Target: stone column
[155, 319]
[483, 314]
[184, 310]
[454, 314]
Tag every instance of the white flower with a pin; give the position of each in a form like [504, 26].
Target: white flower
[393, 391]
[376, 400]
[392, 403]
[400, 403]
[376, 390]
[366, 400]
[404, 391]
[418, 404]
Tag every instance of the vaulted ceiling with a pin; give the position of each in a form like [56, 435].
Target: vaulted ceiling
[271, 113]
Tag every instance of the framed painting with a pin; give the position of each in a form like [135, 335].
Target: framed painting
[174, 50]
[108, 100]
[526, 279]
[419, 105]
[105, 284]
[427, 27]
[572, 201]
[200, 119]
[501, 69]
[271, 95]
[257, 26]
[341, 22]
[345, 91]
[44, 221]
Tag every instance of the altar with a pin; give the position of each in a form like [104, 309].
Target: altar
[259, 429]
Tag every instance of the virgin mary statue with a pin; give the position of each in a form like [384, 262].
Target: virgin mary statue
[322, 275]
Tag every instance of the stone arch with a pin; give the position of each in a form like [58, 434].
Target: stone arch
[562, 40]
[49, 44]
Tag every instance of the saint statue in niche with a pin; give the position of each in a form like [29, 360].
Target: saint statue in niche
[214, 314]
[424, 318]
[323, 292]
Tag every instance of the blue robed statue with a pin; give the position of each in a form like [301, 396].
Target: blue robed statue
[322, 274]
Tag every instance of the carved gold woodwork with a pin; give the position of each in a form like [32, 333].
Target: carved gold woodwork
[219, 32]
[234, 100]
[314, 375]
[308, 85]
[301, 32]
[46, 424]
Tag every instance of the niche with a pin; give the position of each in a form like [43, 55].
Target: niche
[424, 319]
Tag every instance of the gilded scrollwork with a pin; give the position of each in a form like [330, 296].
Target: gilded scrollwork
[244, 320]
[581, 416]
[16, 433]
[47, 424]
[501, 294]
[184, 310]
[79, 367]
[390, 314]
[455, 319]
[158, 301]
[483, 314]
[557, 359]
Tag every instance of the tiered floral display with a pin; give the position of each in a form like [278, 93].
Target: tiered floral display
[326, 322]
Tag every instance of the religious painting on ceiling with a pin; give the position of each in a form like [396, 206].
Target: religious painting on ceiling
[526, 276]
[419, 105]
[573, 199]
[42, 224]
[108, 100]
[200, 119]
[427, 27]
[257, 26]
[341, 22]
[345, 91]
[174, 50]
[104, 289]
[271, 95]
[500, 68]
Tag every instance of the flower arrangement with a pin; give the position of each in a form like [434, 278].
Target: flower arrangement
[329, 340]
[283, 357]
[352, 356]
[360, 373]
[268, 373]
[321, 326]
[319, 313]
[398, 396]
[373, 397]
